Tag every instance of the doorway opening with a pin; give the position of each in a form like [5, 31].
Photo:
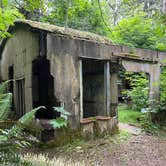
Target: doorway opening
[11, 84]
[20, 96]
[133, 97]
[43, 89]
[94, 102]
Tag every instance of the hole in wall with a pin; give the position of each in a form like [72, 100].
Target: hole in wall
[43, 89]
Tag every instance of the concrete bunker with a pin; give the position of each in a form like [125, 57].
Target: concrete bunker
[83, 73]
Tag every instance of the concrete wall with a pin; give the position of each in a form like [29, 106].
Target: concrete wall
[152, 69]
[64, 55]
[64, 69]
[19, 51]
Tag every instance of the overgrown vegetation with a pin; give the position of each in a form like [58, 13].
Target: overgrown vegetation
[132, 23]
[159, 107]
[153, 116]
[130, 116]
[13, 136]
[139, 92]
[8, 14]
[140, 31]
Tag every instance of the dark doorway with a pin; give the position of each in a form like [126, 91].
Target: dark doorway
[93, 88]
[20, 96]
[11, 84]
[43, 89]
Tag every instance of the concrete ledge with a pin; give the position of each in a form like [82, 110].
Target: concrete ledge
[98, 126]
[87, 127]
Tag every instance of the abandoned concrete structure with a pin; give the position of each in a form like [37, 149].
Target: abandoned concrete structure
[52, 66]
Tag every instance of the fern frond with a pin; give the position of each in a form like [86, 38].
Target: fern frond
[64, 114]
[3, 86]
[58, 123]
[62, 121]
[25, 120]
[5, 104]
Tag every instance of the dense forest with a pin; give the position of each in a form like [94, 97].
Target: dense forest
[137, 23]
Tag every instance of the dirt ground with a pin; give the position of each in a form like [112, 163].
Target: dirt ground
[138, 150]
[120, 150]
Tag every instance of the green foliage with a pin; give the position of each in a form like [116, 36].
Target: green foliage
[5, 101]
[143, 120]
[129, 116]
[163, 88]
[62, 120]
[140, 31]
[32, 5]
[23, 122]
[139, 92]
[8, 14]
[82, 14]
[31, 9]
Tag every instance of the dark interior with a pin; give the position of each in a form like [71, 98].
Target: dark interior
[93, 88]
[43, 89]
[11, 84]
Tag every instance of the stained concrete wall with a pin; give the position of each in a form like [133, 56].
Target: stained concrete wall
[64, 69]
[19, 51]
[152, 69]
[64, 55]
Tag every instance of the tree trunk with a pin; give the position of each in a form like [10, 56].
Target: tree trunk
[164, 6]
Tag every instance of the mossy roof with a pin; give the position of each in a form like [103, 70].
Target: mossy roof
[73, 33]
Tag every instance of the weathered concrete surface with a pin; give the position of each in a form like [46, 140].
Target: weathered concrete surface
[152, 69]
[64, 55]
[19, 51]
[65, 52]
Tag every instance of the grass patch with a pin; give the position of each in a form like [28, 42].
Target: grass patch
[136, 118]
[129, 116]
[43, 160]
[119, 137]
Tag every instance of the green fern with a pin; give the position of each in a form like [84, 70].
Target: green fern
[3, 86]
[5, 104]
[5, 101]
[23, 122]
[62, 120]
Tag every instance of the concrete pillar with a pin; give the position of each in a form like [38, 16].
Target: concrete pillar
[107, 87]
[114, 94]
[81, 90]
[154, 82]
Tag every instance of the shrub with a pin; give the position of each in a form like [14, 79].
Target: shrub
[139, 92]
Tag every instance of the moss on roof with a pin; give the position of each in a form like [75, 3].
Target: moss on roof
[66, 32]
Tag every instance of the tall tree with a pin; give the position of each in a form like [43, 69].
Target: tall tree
[79, 14]
[7, 16]
[164, 6]
[31, 9]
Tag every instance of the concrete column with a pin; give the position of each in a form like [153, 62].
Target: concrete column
[81, 90]
[114, 95]
[154, 83]
[107, 87]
